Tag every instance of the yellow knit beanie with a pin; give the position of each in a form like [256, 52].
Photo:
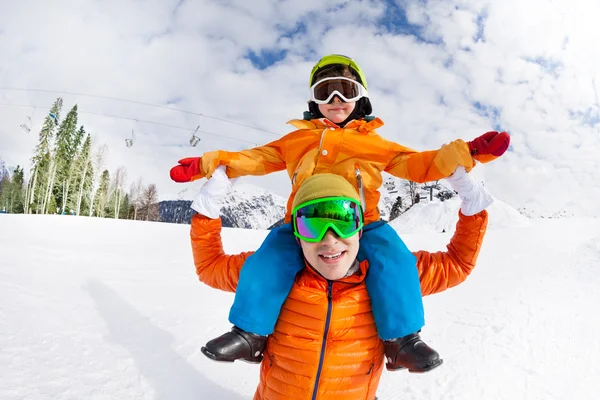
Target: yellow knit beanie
[324, 185]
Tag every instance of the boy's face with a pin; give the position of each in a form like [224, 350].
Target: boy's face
[333, 256]
[337, 111]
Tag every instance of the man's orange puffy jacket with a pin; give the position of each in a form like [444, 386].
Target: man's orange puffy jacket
[319, 146]
[337, 313]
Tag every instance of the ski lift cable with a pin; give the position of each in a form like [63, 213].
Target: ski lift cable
[144, 121]
[143, 104]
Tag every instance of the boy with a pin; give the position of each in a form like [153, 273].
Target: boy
[337, 136]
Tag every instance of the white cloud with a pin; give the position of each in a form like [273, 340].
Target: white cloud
[532, 63]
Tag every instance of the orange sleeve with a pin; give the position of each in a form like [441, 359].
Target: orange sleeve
[213, 266]
[445, 269]
[260, 160]
[431, 165]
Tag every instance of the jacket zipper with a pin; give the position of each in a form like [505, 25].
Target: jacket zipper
[323, 345]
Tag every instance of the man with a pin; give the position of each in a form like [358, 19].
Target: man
[325, 343]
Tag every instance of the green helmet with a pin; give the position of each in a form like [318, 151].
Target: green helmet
[337, 59]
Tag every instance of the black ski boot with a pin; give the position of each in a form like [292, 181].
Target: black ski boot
[412, 353]
[236, 345]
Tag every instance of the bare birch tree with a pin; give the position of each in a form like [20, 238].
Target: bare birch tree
[118, 184]
[86, 177]
[413, 190]
[99, 159]
[135, 196]
[149, 204]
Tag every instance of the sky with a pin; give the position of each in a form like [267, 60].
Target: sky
[436, 71]
[88, 313]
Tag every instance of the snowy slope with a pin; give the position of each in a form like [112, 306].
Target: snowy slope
[104, 309]
[441, 216]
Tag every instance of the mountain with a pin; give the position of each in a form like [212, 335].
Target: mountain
[252, 207]
[246, 206]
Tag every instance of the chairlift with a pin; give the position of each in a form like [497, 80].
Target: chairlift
[129, 141]
[194, 140]
[26, 126]
[54, 118]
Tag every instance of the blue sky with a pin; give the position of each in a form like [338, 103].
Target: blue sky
[437, 71]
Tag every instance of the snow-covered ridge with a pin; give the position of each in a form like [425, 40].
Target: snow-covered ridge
[442, 217]
[246, 206]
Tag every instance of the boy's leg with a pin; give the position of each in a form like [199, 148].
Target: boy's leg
[395, 291]
[265, 282]
[392, 281]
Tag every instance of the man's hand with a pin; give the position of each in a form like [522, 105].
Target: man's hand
[209, 200]
[475, 197]
[489, 146]
[188, 170]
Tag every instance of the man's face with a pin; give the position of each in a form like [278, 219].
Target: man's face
[333, 256]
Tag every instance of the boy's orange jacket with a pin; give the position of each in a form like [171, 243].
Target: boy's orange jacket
[319, 146]
[353, 359]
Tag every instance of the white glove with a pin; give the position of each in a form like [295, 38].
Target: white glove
[475, 197]
[209, 200]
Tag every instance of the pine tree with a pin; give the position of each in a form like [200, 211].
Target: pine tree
[42, 161]
[17, 191]
[68, 140]
[124, 207]
[5, 192]
[396, 209]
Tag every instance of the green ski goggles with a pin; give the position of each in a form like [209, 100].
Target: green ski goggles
[312, 219]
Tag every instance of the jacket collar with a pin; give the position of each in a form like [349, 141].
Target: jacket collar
[357, 277]
[360, 125]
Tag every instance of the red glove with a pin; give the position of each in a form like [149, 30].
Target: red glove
[188, 170]
[489, 146]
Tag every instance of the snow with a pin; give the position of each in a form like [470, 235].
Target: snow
[108, 309]
[441, 216]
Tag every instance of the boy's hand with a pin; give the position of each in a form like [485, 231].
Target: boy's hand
[489, 146]
[210, 161]
[188, 170]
